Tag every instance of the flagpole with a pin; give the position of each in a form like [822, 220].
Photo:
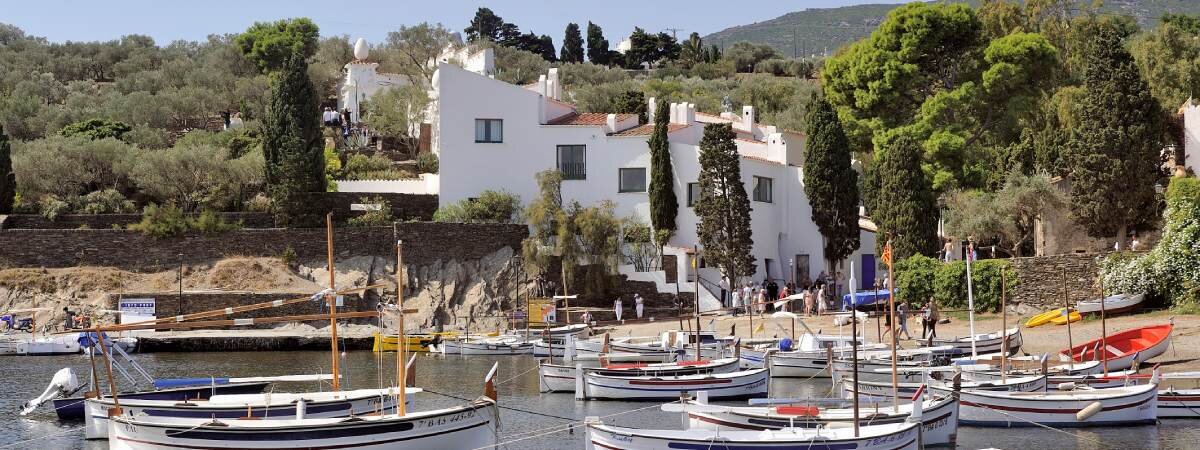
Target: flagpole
[971, 301]
[887, 258]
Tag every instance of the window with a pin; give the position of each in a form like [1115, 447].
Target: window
[572, 162]
[489, 130]
[693, 193]
[632, 180]
[763, 189]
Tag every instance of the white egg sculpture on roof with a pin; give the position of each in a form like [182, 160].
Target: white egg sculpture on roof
[360, 49]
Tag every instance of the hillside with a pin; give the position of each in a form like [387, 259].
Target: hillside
[816, 31]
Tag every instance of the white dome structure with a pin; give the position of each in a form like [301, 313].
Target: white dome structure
[361, 51]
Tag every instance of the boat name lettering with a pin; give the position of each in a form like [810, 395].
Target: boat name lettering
[447, 419]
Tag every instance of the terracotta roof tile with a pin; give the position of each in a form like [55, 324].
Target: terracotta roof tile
[592, 119]
[761, 159]
[648, 129]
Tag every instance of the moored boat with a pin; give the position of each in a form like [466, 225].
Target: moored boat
[741, 384]
[1084, 407]
[1125, 349]
[412, 342]
[872, 391]
[489, 346]
[895, 436]
[1113, 304]
[984, 343]
[561, 377]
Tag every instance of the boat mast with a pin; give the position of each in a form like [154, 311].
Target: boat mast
[1003, 330]
[854, 364]
[401, 349]
[696, 308]
[971, 301]
[887, 258]
[1104, 330]
[332, 299]
[1067, 312]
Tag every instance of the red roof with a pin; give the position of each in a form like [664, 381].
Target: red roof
[593, 119]
[648, 129]
[761, 159]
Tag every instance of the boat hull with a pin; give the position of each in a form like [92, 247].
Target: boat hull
[882, 391]
[487, 348]
[734, 385]
[468, 426]
[561, 378]
[990, 343]
[874, 437]
[72, 408]
[1126, 348]
[1120, 406]
[1179, 404]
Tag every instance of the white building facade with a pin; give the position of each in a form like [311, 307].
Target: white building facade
[1191, 135]
[492, 135]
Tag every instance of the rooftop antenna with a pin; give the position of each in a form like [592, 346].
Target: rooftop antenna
[673, 32]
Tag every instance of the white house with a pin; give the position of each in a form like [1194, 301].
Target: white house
[494, 135]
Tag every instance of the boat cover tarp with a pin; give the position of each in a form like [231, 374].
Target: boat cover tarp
[862, 298]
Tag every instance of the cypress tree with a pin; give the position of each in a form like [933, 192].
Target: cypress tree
[829, 182]
[905, 206]
[572, 48]
[1114, 152]
[8, 179]
[597, 45]
[723, 207]
[664, 205]
[292, 147]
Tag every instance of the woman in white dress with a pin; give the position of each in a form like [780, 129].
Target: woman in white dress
[617, 307]
[638, 305]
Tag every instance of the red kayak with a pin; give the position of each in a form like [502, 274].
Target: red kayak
[1126, 347]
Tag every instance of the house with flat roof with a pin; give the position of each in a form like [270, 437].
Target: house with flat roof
[493, 135]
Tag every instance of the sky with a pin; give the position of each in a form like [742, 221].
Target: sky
[169, 20]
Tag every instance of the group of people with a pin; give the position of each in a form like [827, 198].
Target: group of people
[929, 318]
[769, 295]
[639, 306]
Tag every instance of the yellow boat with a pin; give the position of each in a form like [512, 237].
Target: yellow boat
[1061, 320]
[413, 342]
[1043, 318]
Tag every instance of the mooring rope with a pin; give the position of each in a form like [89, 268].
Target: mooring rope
[1048, 427]
[568, 427]
[502, 407]
[531, 369]
[15, 444]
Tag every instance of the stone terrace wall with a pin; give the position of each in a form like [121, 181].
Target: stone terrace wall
[1042, 279]
[107, 221]
[167, 304]
[404, 206]
[425, 242]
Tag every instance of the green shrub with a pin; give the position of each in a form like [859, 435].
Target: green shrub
[161, 221]
[51, 207]
[490, 207]
[914, 278]
[427, 163]
[259, 203]
[209, 222]
[374, 167]
[108, 201]
[96, 129]
[376, 218]
[288, 257]
[920, 277]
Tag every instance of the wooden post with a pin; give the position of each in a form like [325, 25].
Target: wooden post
[1067, 308]
[895, 328]
[696, 298]
[1103, 329]
[1004, 329]
[401, 376]
[112, 384]
[332, 298]
[853, 365]
[566, 301]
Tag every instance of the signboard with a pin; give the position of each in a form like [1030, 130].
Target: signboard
[542, 311]
[135, 310]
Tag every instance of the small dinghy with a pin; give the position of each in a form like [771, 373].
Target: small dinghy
[732, 385]
[984, 343]
[561, 377]
[1071, 317]
[489, 346]
[1043, 318]
[1113, 304]
[1126, 348]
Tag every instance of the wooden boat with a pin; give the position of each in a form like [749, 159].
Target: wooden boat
[985, 343]
[1083, 407]
[319, 404]
[1179, 404]
[873, 391]
[809, 363]
[894, 436]
[1043, 318]
[939, 417]
[1072, 317]
[1113, 304]
[561, 377]
[412, 342]
[491, 346]
[472, 425]
[72, 408]
[1125, 348]
[731, 385]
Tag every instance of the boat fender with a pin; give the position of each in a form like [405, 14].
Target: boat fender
[1068, 386]
[1088, 411]
[839, 425]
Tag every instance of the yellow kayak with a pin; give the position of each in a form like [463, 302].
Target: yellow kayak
[1043, 318]
[1061, 320]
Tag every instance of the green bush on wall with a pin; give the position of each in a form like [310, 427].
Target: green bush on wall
[920, 277]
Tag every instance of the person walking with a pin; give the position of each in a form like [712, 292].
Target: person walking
[736, 299]
[902, 318]
[724, 284]
[821, 299]
[617, 308]
[762, 300]
[638, 305]
[931, 319]
[747, 296]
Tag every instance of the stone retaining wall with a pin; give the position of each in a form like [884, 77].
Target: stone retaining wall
[108, 221]
[167, 304]
[1042, 279]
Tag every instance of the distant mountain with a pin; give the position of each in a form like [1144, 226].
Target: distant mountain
[820, 30]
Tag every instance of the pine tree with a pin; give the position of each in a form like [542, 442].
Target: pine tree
[8, 179]
[723, 207]
[1114, 152]
[572, 47]
[597, 45]
[292, 147]
[905, 206]
[664, 205]
[829, 182]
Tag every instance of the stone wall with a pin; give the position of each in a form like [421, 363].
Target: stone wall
[404, 206]
[108, 221]
[425, 243]
[169, 304]
[1042, 280]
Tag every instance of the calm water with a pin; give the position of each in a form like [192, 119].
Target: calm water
[26, 377]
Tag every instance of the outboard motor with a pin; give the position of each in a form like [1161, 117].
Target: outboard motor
[63, 384]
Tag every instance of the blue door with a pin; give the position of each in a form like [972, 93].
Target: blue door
[867, 281]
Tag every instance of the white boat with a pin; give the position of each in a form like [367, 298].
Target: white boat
[810, 363]
[939, 417]
[487, 346]
[984, 343]
[873, 391]
[740, 384]
[1083, 407]
[562, 377]
[1113, 304]
[895, 436]
[259, 406]
[473, 425]
[47, 345]
[1179, 404]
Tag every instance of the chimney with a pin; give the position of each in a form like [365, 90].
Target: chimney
[541, 89]
[672, 118]
[610, 124]
[650, 105]
[691, 114]
[556, 86]
[748, 118]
